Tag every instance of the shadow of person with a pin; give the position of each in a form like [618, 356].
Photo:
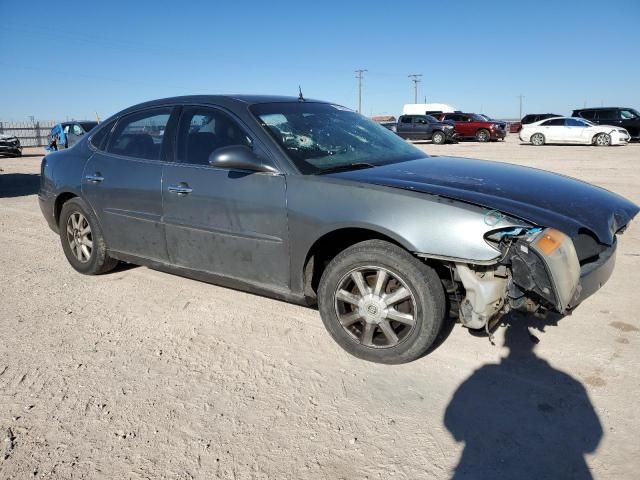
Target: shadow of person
[522, 418]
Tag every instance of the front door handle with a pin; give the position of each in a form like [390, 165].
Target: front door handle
[95, 178]
[180, 189]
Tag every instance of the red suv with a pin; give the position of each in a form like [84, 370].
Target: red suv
[472, 125]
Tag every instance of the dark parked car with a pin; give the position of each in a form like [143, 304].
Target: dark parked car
[67, 134]
[311, 202]
[627, 118]
[10, 145]
[531, 118]
[472, 125]
[425, 127]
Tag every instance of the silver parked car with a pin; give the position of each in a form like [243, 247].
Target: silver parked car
[311, 202]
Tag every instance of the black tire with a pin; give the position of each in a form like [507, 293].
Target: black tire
[98, 261]
[537, 142]
[427, 299]
[602, 140]
[438, 137]
[483, 135]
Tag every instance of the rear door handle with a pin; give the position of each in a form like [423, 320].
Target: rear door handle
[180, 189]
[95, 178]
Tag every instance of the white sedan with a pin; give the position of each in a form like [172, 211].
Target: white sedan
[569, 130]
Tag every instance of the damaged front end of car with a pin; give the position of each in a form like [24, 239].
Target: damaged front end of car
[539, 270]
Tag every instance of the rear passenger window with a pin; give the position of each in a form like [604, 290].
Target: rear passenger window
[203, 130]
[405, 119]
[573, 122]
[140, 135]
[607, 115]
[589, 114]
[556, 122]
[98, 138]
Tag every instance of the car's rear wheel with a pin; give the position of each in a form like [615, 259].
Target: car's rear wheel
[537, 139]
[82, 240]
[438, 138]
[602, 140]
[483, 135]
[380, 303]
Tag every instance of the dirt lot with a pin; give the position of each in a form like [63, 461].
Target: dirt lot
[141, 374]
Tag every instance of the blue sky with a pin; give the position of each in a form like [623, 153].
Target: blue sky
[60, 63]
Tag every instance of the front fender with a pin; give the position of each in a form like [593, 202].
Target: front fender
[427, 225]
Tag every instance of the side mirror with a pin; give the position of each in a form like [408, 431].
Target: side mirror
[238, 157]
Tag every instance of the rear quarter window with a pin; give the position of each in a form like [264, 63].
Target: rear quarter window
[98, 139]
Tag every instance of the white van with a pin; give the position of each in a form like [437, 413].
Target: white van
[421, 108]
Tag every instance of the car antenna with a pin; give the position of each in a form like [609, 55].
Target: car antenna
[300, 97]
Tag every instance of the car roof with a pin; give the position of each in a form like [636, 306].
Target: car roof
[223, 100]
[597, 108]
[64, 124]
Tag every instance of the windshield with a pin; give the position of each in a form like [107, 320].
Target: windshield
[478, 118]
[629, 114]
[321, 137]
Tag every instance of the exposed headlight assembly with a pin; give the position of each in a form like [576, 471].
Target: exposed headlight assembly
[543, 261]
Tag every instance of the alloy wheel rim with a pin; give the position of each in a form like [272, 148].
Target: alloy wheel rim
[438, 138]
[375, 307]
[537, 139]
[79, 237]
[602, 140]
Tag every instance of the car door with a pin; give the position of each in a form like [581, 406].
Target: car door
[421, 128]
[608, 116]
[405, 126]
[74, 135]
[575, 131]
[221, 221]
[630, 121]
[553, 130]
[464, 125]
[123, 184]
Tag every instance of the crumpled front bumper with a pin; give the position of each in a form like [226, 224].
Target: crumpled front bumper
[10, 148]
[546, 264]
[594, 275]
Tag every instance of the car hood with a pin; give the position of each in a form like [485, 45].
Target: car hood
[7, 137]
[536, 196]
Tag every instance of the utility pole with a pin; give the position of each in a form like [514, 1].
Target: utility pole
[520, 97]
[359, 76]
[415, 78]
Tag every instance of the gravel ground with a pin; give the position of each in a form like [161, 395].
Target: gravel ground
[141, 374]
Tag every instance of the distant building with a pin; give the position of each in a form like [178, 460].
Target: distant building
[383, 118]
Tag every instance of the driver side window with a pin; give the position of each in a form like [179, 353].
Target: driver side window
[203, 130]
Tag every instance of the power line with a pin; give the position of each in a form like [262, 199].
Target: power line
[415, 78]
[359, 76]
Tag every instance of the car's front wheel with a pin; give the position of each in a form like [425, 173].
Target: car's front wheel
[82, 240]
[602, 140]
[438, 138]
[483, 135]
[380, 303]
[537, 139]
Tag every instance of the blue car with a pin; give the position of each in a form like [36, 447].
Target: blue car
[65, 135]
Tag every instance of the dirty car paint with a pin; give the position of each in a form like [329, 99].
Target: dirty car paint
[537, 196]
